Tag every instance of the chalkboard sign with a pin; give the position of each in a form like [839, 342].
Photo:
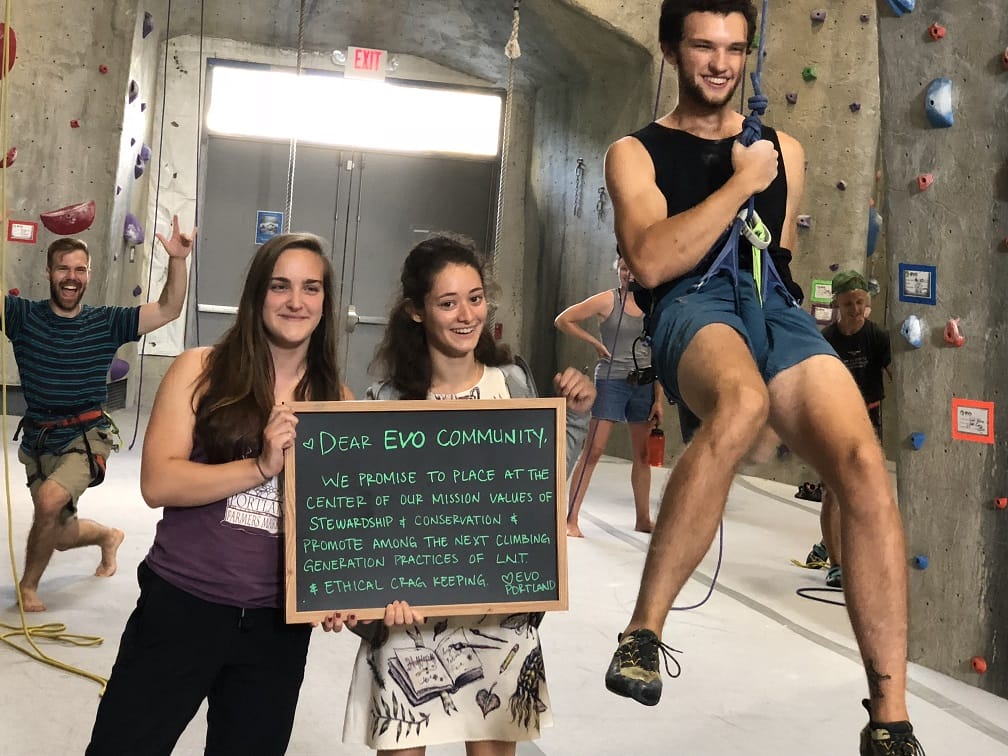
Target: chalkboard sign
[457, 507]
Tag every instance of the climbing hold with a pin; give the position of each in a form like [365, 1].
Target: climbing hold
[175, 124]
[874, 229]
[924, 181]
[953, 336]
[804, 221]
[937, 31]
[14, 292]
[11, 48]
[911, 330]
[132, 141]
[74, 123]
[103, 69]
[133, 232]
[70, 220]
[118, 369]
[979, 664]
[917, 440]
[11, 157]
[148, 24]
[138, 168]
[137, 290]
[134, 90]
[1004, 59]
[145, 153]
[938, 103]
[854, 107]
[865, 18]
[834, 267]
[791, 97]
[873, 286]
[818, 15]
[118, 189]
[902, 6]
[841, 185]
[143, 106]
[809, 73]
[1001, 503]
[921, 561]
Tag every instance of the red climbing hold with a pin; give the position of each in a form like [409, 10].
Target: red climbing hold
[1001, 503]
[953, 336]
[74, 123]
[71, 219]
[11, 48]
[1004, 59]
[15, 292]
[924, 181]
[11, 157]
[979, 664]
[937, 31]
[103, 69]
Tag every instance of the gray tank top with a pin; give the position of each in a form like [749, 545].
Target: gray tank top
[620, 345]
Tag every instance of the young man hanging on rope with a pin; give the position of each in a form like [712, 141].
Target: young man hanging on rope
[63, 351]
[730, 342]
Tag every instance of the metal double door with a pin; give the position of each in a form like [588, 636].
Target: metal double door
[373, 208]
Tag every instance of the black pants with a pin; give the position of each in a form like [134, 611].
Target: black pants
[177, 650]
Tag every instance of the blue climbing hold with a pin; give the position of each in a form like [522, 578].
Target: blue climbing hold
[874, 229]
[133, 232]
[917, 440]
[911, 330]
[902, 6]
[148, 24]
[118, 369]
[137, 291]
[921, 561]
[938, 103]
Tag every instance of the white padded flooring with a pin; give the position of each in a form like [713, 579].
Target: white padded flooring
[764, 671]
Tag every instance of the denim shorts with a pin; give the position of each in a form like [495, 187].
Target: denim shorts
[778, 332]
[622, 402]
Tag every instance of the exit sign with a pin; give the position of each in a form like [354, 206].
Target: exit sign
[365, 63]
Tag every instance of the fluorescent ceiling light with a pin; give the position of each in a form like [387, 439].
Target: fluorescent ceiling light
[355, 113]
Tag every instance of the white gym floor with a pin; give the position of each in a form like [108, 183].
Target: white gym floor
[764, 670]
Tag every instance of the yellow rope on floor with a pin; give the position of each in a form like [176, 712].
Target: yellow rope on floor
[51, 631]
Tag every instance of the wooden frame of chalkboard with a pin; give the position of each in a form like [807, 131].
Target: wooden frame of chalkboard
[458, 507]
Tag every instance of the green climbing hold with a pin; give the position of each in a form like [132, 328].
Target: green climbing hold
[809, 73]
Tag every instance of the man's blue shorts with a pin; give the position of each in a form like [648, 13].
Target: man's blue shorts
[779, 333]
[622, 402]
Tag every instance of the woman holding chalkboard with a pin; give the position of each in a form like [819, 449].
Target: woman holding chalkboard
[208, 623]
[480, 679]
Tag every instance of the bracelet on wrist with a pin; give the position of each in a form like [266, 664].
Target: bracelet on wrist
[265, 477]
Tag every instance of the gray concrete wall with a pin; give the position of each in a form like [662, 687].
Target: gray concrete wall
[958, 606]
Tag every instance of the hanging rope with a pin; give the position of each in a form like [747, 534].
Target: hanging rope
[513, 51]
[141, 351]
[292, 156]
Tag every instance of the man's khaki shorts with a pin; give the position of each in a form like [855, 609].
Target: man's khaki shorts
[69, 467]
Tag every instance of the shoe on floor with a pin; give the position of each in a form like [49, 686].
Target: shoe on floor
[633, 671]
[817, 558]
[834, 578]
[889, 739]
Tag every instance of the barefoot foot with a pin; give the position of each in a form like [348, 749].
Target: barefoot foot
[109, 547]
[644, 527]
[30, 600]
[573, 531]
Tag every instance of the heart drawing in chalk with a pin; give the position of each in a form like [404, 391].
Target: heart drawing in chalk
[488, 700]
[309, 444]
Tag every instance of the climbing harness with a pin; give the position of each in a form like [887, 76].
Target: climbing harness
[82, 421]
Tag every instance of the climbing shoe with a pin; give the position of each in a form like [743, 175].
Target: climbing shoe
[817, 558]
[834, 578]
[889, 739]
[634, 671]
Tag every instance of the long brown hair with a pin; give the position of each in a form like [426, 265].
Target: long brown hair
[403, 352]
[237, 382]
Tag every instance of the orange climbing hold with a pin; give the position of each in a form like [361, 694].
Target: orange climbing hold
[924, 181]
[979, 664]
[937, 31]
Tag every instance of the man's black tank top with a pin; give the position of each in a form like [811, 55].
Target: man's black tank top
[688, 169]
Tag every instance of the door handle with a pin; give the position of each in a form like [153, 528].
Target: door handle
[352, 319]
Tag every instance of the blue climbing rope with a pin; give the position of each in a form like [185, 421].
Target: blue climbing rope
[747, 223]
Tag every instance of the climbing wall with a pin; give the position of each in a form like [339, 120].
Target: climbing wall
[944, 85]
